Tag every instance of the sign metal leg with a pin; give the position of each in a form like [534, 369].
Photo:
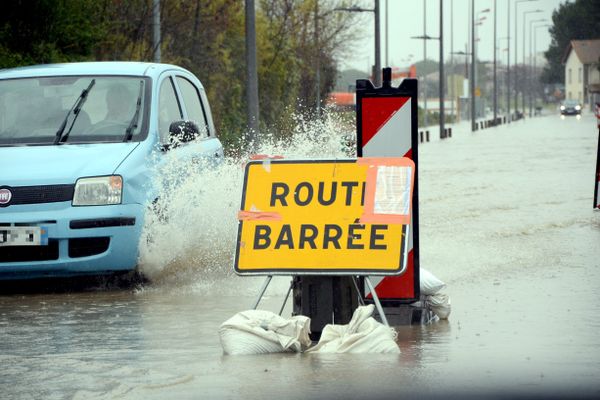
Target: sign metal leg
[377, 303]
[361, 301]
[263, 289]
[286, 297]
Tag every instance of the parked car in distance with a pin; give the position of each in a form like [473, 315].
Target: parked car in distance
[570, 107]
[79, 146]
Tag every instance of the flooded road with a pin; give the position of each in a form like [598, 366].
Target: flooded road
[506, 222]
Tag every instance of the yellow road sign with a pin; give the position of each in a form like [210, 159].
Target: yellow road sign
[477, 92]
[325, 217]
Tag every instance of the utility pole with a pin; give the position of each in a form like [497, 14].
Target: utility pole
[472, 77]
[508, 117]
[453, 86]
[156, 30]
[387, 41]
[425, 62]
[318, 63]
[534, 60]
[375, 11]
[377, 75]
[251, 73]
[442, 105]
[516, 48]
[495, 78]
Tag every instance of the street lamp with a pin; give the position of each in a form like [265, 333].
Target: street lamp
[251, 73]
[375, 10]
[495, 79]
[516, 44]
[528, 69]
[503, 50]
[473, 58]
[508, 75]
[533, 72]
[426, 37]
[525, 62]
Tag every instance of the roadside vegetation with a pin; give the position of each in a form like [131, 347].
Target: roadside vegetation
[205, 36]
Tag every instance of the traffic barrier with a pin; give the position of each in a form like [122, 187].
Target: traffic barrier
[387, 127]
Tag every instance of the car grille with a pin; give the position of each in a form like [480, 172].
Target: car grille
[29, 253]
[40, 194]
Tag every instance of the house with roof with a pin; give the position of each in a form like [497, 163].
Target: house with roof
[582, 74]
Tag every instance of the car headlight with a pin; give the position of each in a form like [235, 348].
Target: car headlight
[562, 107]
[98, 191]
[578, 107]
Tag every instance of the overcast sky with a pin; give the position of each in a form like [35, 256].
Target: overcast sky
[406, 20]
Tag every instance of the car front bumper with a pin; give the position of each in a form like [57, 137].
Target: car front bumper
[81, 240]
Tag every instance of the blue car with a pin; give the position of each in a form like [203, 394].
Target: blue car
[79, 148]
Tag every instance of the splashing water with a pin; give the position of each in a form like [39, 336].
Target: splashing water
[190, 232]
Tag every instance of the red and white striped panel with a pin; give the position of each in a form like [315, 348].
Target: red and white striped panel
[386, 132]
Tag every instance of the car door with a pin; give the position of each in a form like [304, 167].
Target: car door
[195, 108]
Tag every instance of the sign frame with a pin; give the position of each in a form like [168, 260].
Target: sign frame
[291, 271]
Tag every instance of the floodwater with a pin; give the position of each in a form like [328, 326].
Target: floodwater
[506, 222]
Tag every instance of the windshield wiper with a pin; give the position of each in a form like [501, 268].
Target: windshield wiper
[133, 124]
[75, 110]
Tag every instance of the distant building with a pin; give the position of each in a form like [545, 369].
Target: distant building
[582, 77]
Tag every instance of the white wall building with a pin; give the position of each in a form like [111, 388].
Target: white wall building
[581, 60]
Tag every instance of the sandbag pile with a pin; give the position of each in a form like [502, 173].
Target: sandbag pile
[434, 299]
[362, 335]
[260, 332]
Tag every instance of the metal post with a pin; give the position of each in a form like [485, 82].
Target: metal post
[424, 61]
[377, 76]
[529, 71]
[508, 64]
[156, 30]
[453, 86]
[442, 105]
[262, 291]
[318, 63]
[472, 77]
[523, 89]
[495, 77]
[376, 300]
[251, 74]
[387, 42]
[516, 54]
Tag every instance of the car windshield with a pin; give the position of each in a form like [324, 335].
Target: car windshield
[571, 103]
[34, 110]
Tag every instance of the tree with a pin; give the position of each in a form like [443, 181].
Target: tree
[45, 31]
[571, 21]
[204, 36]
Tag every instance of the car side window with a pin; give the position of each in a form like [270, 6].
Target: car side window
[168, 109]
[193, 105]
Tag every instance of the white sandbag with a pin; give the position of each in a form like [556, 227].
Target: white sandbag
[260, 331]
[429, 283]
[439, 304]
[362, 335]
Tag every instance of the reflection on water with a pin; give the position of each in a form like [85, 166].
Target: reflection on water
[506, 222]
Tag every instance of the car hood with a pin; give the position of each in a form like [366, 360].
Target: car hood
[40, 165]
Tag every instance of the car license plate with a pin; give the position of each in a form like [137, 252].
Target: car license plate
[23, 236]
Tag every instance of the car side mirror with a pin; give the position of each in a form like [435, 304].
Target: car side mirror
[182, 132]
